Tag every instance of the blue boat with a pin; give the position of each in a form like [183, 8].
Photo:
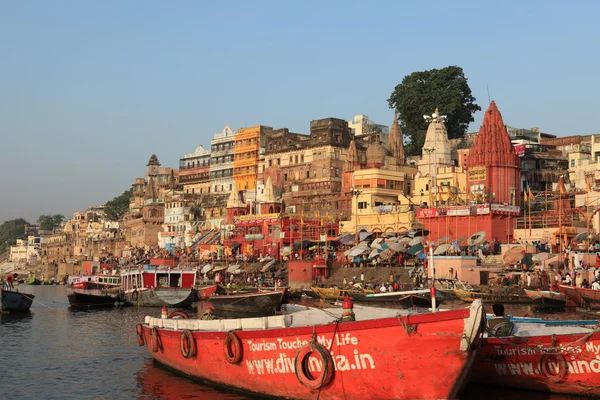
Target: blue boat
[16, 302]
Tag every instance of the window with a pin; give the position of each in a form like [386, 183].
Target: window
[279, 161]
[572, 162]
[285, 177]
[324, 173]
[362, 205]
[307, 174]
[337, 172]
[302, 158]
[314, 173]
[270, 163]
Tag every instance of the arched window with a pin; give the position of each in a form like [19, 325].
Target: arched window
[271, 210]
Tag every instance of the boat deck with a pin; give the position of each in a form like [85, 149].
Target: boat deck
[292, 316]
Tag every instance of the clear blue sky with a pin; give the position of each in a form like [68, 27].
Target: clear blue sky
[89, 90]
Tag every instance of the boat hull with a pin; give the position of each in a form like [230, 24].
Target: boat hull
[380, 358]
[168, 297]
[86, 301]
[547, 299]
[469, 296]
[261, 304]
[16, 302]
[585, 298]
[517, 362]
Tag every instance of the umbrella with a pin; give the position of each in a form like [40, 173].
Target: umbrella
[460, 240]
[398, 247]
[443, 240]
[476, 238]
[376, 243]
[386, 255]
[441, 249]
[580, 237]
[286, 251]
[417, 240]
[421, 255]
[541, 257]
[374, 253]
[405, 240]
[363, 235]
[348, 239]
[415, 249]
[514, 255]
[357, 251]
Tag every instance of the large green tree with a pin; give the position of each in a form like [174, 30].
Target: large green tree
[115, 209]
[10, 231]
[49, 222]
[420, 93]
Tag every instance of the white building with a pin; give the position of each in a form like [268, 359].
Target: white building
[177, 228]
[361, 125]
[25, 251]
[221, 162]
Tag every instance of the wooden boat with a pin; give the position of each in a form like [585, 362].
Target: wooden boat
[585, 298]
[310, 294]
[304, 355]
[546, 298]
[204, 292]
[402, 299]
[260, 304]
[34, 281]
[87, 300]
[468, 297]
[15, 302]
[548, 358]
[333, 294]
[158, 286]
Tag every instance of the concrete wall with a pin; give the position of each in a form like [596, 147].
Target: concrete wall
[300, 273]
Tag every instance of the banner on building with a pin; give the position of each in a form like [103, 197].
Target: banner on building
[427, 212]
[506, 208]
[520, 149]
[385, 209]
[459, 210]
[476, 174]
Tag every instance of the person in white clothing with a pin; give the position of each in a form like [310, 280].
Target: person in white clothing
[596, 285]
[383, 289]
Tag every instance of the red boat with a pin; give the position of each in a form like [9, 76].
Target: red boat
[557, 359]
[585, 298]
[92, 282]
[310, 353]
[204, 292]
[159, 285]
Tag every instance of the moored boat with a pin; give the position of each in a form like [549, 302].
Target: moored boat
[585, 298]
[403, 299]
[88, 300]
[333, 294]
[309, 353]
[469, 296]
[158, 286]
[93, 282]
[547, 298]
[34, 281]
[549, 358]
[15, 302]
[260, 304]
[204, 292]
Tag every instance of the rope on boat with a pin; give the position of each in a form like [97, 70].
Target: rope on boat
[553, 349]
[39, 302]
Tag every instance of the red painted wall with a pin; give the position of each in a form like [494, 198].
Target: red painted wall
[300, 273]
[495, 226]
[163, 261]
[148, 279]
[188, 280]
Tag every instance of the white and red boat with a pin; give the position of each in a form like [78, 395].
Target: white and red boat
[309, 353]
[158, 286]
[91, 282]
[550, 358]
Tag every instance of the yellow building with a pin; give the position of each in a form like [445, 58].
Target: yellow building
[246, 151]
[451, 188]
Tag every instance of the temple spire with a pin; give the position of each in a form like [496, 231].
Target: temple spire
[268, 195]
[234, 198]
[396, 142]
[352, 160]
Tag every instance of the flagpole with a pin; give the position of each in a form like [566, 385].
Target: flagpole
[529, 190]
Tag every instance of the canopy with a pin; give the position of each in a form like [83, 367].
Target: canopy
[374, 253]
[347, 239]
[476, 238]
[415, 249]
[376, 244]
[268, 265]
[514, 255]
[363, 235]
[219, 268]
[398, 247]
[356, 251]
[206, 268]
[541, 257]
[417, 240]
[580, 237]
[233, 267]
[386, 255]
[405, 240]
[445, 239]
[442, 249]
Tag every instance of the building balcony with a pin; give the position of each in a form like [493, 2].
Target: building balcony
[245, 163]
[246, 148]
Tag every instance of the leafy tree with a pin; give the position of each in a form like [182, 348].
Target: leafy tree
[115, 209]
[420, 93]
[49, 222]
[10, 231]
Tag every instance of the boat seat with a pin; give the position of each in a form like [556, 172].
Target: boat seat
[501, 329]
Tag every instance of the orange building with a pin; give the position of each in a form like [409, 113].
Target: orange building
[246, 152]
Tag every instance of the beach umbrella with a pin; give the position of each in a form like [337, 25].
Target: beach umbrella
[476, 238]
[441, 249]
[514, 255]
[461, 241]
[376, 244]
[541, 257]
[398, 247]
[421, 255]
[580, 237]
[445, 239]
[386, 255]
[415, 249]
[286, 251]
[357, 251]
[363, 235]
[417, 240]
[374, 253]
[405, 240]
[348, 239]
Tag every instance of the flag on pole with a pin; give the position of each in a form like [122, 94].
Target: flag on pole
[531, 196]
[588, 187]
[525, 198]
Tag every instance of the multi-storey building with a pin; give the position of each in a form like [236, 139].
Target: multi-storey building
[162, 179]
[221, 161]
[246, 151]
[307, 169]
[25, 251]
[194, 171]
[178, 230]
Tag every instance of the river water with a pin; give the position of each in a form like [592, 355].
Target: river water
[57, 353]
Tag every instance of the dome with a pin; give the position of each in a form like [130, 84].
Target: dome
[376, 153]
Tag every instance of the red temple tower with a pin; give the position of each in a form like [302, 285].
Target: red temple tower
[493, 190]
